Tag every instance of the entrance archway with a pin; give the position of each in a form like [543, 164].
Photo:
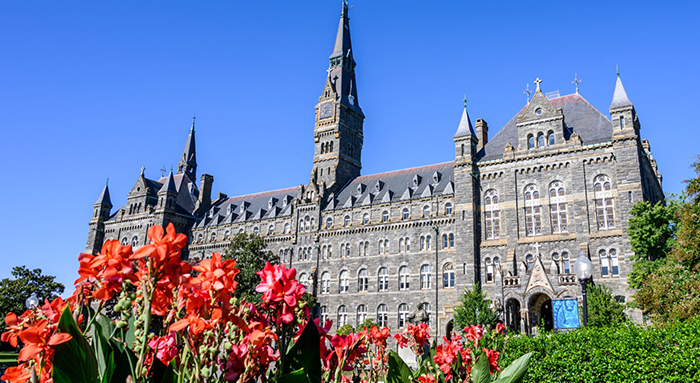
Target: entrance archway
[513, 315]
[540, 310]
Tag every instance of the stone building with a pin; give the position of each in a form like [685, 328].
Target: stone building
[511, 212]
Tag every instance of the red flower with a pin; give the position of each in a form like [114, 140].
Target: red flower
[13, 329]
[474, 333]
[426, 379]
[17, 374]
[280, 291]
[107, 270]
[493, 359]
[500, 328]
[39, 339]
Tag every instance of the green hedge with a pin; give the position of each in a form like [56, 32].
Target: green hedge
[615, 354]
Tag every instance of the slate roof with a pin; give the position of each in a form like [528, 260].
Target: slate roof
[104, 197]
[465, 126]
[270, 204]
[579, 116]
[620, 98]
[397, 185]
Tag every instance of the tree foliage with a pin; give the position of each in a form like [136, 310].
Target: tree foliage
[15, 291]
[473, 309]
[651, 232]
[603, 310]
[250, 254]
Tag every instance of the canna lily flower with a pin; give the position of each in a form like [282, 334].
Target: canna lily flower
[11, 335]
[492, 355]
[39, 339]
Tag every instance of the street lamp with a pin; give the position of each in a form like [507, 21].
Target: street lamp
[32, 302]
[584, 269]
[437, 278]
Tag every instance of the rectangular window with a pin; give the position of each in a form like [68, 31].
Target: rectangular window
[604, 266]
[448, 279]
[533, 220]
[558, 216]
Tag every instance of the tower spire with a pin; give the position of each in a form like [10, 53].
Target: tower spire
[104, 199]
[188, 161]
[620, 98]
[465, 124]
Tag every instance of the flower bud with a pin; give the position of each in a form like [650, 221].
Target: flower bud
[205, 371]
[228, 345]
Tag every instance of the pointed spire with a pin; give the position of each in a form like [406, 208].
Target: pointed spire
[104, 199]
[343, 47]
[620, 98]
[188, 161]
[465, 128]
[169, 185]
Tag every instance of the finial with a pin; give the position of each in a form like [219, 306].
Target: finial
[194, 117]
[527, 92]
[142, 169]
[538, 81]
[465, 101]
[162, 171]
[617, 69]
[171, 168]
[576, 81]
[107, 182]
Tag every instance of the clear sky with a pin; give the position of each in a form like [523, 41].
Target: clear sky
[90, 90]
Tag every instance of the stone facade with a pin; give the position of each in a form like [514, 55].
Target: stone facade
[511, 213]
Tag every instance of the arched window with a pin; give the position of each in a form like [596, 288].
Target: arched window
[496, 262]
[307, 223]
[342, 250]
[301, 224]
[365, 219]
[428, 310]
[385, 216]
[428, 241]
[609, 264]
[134, 241]
[426, 276]
[448, 209]
[408, 245]
[557, 207]
[614, 265]
[382, 316]
[533, 211]
[445, 243]
[256, 231]
[270, 229]
[343, 281]
[360, 247]
[342, 316]
[383, 279]
[402, 245]
[303, 280]
[227, 234]
[347, 249]
[346, 221]
[362, 280]
[324, 315]
[329, 222]
[329, 252]
[405, 214]
[325, 282]
[448, 276]
[565, 263]
[452, 240]
[530, 142]
[540, 140]
[530, 261]
[492, 215]
[403, 315]
[286, 228]
[422, 243]
[489, 270]
[361, 314]
[313, 223]
[550, 138]
[604, 264]
[426, 211]
[604, 206]
[403, 278]
[366, 251]
[199, 238]
[213, 236]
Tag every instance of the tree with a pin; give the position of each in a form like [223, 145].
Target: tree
[15, 291]
[251, 256]
[473, 309]
[603, 309]
[651, 231]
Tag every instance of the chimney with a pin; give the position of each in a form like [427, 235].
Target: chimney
[204, 200]
[482, 133]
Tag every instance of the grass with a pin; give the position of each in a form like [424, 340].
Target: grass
[8, 358]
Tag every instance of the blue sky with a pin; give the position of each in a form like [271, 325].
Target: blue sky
[91, 90]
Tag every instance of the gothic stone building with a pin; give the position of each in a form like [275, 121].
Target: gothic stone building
[511, 212]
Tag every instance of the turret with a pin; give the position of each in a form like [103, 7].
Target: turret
[188, 161]
[102, 208]
[167, 195]
[465, 138]
[624, 118]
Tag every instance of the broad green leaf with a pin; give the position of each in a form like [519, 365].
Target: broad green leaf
[129, 337]
[101, 347]
[480, 372]
[74, 361]
[305, 354]
[298, 376]
[169, 375]
[106, 324]
[398, 370]
[124, 362]
[515, 372]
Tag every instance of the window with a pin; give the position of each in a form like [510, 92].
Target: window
[496, 263]
[324, 315]
[565, 263]
[448, 276]
[325, 282]
[385, 216]
[422, 243]
[134, 241]
[307, 223]
[304, 281]
[426, 307]
[347, 249]
[540, 140]
[530, 142]
[489, 270]
[426, 276]
[550, 138]
[426, 211]
[557, 207]
[492, 215]
[381, 248]
[427, 243]
[533, 211]
[609, 264]
[213, 236]
[329, 222]
[343, 281]
[342, 316]
[382, 316]
[383, 279]
[362, 280]
[342, 250]
[408, 245]
[365, 219]
[227, 234]
[448, 209]
[256, 231]
[361, 314]
[270, 229]
[604, 206]
[403, 315]
[346, 221]
[404, 213]
[445, 243]
[614, 265]
[402, 245]
[622, 122]
[403, 278]
[604, 264]
[530, 261]
[452, 240]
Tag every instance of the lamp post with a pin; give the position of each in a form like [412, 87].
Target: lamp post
[437, 268]
[32, 302]
[584, 269]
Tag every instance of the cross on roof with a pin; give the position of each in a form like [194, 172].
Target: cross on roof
[465, 101]
[576, 81]
[527, 92]
[162, 171]
[538, 81]
[537, 246]
[142, 169]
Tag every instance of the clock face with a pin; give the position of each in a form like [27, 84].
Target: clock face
[326, 110]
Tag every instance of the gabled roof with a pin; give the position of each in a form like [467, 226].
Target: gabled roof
[579, 116]
[169, 185]
[252, 207]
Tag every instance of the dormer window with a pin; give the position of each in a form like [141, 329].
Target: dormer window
[378, 186]
[416, 180]
[436, 177]
[284, 201]
[360, 188]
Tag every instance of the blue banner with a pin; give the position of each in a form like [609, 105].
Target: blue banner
[565, 313]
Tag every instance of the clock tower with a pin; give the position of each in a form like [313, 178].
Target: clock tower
[339, 118]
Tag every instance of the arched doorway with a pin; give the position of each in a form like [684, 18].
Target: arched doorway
[540, 310]
[512, 315]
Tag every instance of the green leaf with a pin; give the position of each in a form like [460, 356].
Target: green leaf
[169, 375]
[398, 370]
[106, 324]
[129, 336]
[124, 361]
[298, 376]
[74, 361]
[101, 346]
[305, 354]
[480, 372]
[515, 372]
